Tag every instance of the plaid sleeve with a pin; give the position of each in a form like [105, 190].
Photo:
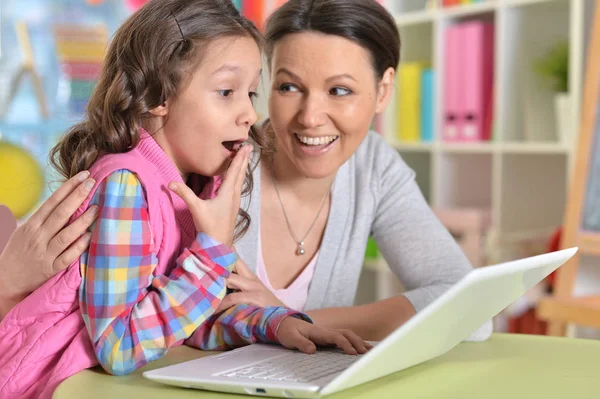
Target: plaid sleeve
[241, 325]
[132, 315]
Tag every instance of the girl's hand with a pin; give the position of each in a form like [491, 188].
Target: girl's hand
[298, 334]
[252, 291]
[217, 217]
[41, 247]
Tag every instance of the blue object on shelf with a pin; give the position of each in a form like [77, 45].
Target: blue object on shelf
[427, 81]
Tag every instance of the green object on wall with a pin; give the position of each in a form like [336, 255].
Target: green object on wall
[372, 251]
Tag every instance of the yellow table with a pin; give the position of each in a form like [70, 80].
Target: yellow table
[506, 366]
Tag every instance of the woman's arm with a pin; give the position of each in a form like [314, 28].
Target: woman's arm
[416, 246]
[372, 322]
[42, 246]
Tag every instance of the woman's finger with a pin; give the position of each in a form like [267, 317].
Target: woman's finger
[72, 232]
[60, 206]
[242, 269]
[72, 253]
[240, 298]
[237, 282]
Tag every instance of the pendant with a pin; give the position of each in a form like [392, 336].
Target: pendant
[300, 250]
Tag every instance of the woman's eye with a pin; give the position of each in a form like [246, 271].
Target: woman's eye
[225, 93]
[288, 87]
[340, 91]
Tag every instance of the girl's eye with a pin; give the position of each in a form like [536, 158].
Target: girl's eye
[288, 87]
[225, 93]
[253, 95]
[340, 91]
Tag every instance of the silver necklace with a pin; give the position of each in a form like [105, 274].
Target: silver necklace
[300, 249]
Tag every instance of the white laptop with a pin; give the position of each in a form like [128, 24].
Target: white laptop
[269, 370]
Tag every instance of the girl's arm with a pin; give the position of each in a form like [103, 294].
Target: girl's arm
[133, 316]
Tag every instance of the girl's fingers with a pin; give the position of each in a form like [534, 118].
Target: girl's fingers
[357, 342]
[185, 193]
[230, 181]
[321, 336]
[242, 173]
[298, 341]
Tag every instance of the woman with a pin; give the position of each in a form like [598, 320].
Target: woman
[328, 183]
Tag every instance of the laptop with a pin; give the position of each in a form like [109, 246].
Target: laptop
[270, 370]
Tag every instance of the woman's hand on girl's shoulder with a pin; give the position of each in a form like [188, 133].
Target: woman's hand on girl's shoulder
[43, 246]
[294, 333]
[217, 217]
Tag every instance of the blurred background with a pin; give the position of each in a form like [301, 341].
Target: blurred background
[487, 109]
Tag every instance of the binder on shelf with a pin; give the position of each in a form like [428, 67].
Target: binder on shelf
[427, 104]
[477, 43]
[453, 84]
[409, 114]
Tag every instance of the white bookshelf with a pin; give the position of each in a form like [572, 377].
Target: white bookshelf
[522, 175]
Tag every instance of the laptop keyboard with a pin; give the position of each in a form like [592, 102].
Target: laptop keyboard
[295, 367]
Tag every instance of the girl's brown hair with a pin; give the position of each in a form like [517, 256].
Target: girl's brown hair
[149, 59]
[364, 22]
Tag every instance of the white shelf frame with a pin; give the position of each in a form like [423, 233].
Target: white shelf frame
[503, 149]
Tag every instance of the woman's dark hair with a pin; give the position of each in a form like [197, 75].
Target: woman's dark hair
[148, 60]
[364, 22]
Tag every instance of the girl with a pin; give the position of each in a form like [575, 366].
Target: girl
[173, 104]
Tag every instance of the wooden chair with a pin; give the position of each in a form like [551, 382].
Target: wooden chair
[562, 307]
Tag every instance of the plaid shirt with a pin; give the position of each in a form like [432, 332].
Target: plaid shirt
[132, 315]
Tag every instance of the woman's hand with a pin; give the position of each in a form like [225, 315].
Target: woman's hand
[42, 246]
[251, 292]
[217, 217]
[298, 334]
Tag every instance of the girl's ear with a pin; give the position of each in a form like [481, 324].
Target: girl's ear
[161, 110]
[385, 90]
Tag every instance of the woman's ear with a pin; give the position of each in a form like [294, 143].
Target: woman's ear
[161, 110]
[385, 90]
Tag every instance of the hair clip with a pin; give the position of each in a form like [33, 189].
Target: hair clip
[179, 26]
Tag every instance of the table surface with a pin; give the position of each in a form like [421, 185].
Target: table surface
[521, 366]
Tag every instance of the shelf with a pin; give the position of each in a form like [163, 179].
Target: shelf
[415, 17]
[534, 148]
[468, 9]
[376, 265]
[471, 148]
[413, 147]
[517, 3]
